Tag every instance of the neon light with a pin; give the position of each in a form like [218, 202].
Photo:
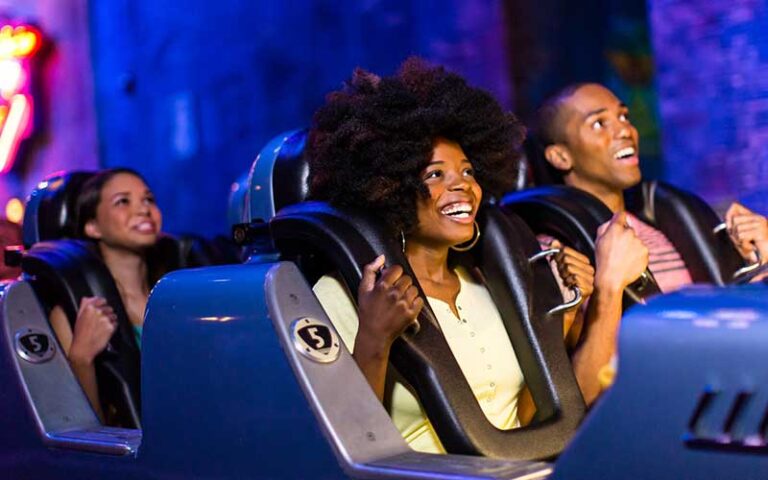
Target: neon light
[18, 43]
[14, 129]
[12, 77]
[21, 41]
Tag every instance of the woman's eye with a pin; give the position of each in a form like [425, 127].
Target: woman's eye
[470, 172]
[598, 125]
[150, 200]
[624, 117]
[433, 174]
[121, 201]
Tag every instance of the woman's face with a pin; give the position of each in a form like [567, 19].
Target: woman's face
[447, 216]
[127, 216]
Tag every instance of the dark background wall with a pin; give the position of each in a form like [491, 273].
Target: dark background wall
[189, 92]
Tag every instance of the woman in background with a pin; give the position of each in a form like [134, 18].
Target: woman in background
[116, 210]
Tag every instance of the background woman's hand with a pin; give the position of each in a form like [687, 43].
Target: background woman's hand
[748, 231]
[620, 256]
[94, 326]
[387, 305]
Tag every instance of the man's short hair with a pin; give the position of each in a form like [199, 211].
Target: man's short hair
[549, 129]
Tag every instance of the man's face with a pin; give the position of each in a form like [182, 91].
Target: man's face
[600, 141]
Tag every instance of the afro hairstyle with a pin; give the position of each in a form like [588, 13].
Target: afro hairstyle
[373, 138]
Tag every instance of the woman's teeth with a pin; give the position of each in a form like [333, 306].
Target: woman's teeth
[457, 210]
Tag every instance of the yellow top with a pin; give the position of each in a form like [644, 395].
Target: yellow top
[477, 339]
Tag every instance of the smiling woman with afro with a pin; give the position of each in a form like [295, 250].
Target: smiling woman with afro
[420, 150]
[372, 139]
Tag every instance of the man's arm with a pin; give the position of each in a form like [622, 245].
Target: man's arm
[620, 259]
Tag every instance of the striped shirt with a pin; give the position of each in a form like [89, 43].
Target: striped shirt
[664, 261]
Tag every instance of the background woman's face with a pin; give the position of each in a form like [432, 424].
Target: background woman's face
[447, 216]
[127, 215]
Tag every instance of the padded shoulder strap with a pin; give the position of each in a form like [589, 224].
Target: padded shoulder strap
[62, 273]
[350, 240]
[688, 222]
[572, 216]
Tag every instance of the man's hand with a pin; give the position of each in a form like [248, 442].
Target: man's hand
[748, 231]
[620, 256]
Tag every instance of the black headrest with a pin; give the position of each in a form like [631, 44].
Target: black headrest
[50, 213]
[573, 217]
[523, 293]
[196, 251]
[688, 222]
[542, 172]
[62, 272]
[289, 176]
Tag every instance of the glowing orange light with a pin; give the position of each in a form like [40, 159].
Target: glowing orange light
[14, 210]
[14, 129]
[12, 77]
[19, 42]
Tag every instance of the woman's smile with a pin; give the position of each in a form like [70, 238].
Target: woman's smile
[447, 215]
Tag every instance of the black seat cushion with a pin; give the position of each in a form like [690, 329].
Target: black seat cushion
[62, 272]
[688, 222]
[349, 240]
[573, 217]
[51, 210]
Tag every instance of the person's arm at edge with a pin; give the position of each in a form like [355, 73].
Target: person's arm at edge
[83, 368]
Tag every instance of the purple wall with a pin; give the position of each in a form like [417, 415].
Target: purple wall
[712, 74]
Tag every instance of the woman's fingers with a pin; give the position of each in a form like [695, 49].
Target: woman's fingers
[403, 283]
[369, 273]
[390, 275]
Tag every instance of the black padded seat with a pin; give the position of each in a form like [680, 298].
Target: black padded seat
[572, 216]
[195, 251]
[50, 213]
[348, 240]
[62, 272]
[689, 223]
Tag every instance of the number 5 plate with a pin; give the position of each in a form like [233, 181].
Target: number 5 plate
[315, 339]
[34, 345]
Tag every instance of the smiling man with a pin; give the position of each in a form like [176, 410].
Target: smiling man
[590, 141]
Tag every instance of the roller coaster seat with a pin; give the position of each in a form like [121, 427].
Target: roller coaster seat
[574, 215]
[61, 273]
[320, 238]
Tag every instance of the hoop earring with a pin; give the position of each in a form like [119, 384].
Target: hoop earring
[472, 243]
[402, 241]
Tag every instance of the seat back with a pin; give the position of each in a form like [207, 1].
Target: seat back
[689, 223]
[278, 177]
[50, 213]
[320, 238]
[62, 272]
[572, 216]
[348, 240]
